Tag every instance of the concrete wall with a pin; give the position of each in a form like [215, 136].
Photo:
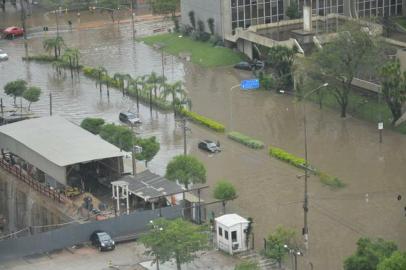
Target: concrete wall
[203, 9]
[135, 223]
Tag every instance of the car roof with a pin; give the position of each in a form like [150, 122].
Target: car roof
[208, 141]
[10, 28]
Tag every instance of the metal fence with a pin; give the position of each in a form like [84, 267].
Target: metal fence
[121, 226]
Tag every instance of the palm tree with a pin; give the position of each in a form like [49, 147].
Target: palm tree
[154, 80]
[100, 71]
[148, 88]
[119, 78]
[128, 79]
[55, 45]
[71, 55]
[135, 83]
[177, 93]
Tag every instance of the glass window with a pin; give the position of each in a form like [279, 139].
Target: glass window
[220, 231]
[226, 234]
[234, 236]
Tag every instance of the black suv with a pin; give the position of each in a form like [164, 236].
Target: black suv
[129, 117]
[209, 146]
[102, 241]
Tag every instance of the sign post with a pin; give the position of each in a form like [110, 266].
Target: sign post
[249, 84]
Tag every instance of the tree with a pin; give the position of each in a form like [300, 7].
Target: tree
[101, 73]
[247, 265]
[92, 125]
[55, 45]
[154, 79]
[281, 59]
[395, 262]
[369, 254]
[192, 19]
[165, 6]
[186, 170]
[176, 239]
[224, 191]
[176, 92]
[293, 11]
[339, 61]
[150, 147]
[276, 242]
[120, 136]
[200, 26]
[394, 88]
[120, 78]
[32, 95]
[71, 56]
[210, 23]
[15, 89]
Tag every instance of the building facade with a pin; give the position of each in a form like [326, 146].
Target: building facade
[231, 14]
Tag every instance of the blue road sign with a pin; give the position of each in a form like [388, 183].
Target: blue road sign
[250, 84]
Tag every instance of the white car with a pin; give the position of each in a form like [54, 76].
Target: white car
[3, 55]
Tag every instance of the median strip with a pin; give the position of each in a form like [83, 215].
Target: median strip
[245, 140]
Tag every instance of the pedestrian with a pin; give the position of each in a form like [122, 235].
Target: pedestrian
[70, 24]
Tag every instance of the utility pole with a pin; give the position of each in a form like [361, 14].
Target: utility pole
[23, 19]
[50, 104]
[185, 128]
[305, 230]
[380, 124]
[132, 18]
[133, 151]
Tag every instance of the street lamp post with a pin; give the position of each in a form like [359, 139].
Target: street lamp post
[295, 253]
[156, 229]
[305, 230]
[231, 105]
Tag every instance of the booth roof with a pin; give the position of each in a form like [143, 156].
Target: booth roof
[230, 220]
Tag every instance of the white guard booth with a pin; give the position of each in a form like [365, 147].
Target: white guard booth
[231, 233]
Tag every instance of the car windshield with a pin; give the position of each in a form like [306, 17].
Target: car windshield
[104, 237]
[131, 116]
[211, 145]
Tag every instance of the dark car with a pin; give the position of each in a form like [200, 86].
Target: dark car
[243, 65]
[209, 146]
[257, 64]
[129, 117]
[102, 241]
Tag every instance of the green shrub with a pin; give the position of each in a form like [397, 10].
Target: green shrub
[329, 180]
[287, 157]
[241, 138]
[40, 58]
[199, 119]
[298, 162]
[92, 125]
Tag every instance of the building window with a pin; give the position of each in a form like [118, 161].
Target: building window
[220, 231]
[226, 235]
[234, 236]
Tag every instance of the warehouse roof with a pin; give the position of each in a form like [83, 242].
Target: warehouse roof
[57, 140]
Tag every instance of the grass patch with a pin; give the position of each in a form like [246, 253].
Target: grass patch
[364, 106]
[400, 20]
[245, 140]
[202, 53]
[202, 120]
[328, 180]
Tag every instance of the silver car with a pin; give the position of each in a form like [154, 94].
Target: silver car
[3, 55]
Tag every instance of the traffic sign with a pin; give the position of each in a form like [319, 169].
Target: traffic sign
[249, 84]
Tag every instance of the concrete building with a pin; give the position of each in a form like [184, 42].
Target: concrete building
[231, 14]
[57, 152]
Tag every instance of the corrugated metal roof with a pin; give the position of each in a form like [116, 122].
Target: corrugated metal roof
[149, 185]
[60, 141]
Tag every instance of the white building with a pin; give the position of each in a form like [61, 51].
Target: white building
[231, 233]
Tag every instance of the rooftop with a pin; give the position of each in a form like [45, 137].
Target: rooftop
[59, 140]
[230, 220]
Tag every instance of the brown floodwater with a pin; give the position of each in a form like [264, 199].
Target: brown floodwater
[269, 190]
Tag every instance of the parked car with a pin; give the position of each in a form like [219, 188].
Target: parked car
[13, 31]
[209, 146]
[3, 55]
[130, 118]
[257, 64]
[102, 241]
[243, 65]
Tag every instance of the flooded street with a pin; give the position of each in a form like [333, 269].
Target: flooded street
[269, 190]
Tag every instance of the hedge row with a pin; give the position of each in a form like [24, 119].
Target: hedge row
[245, 140]
[199, 119]
[298, 162]
[48, 59]
[144, 97]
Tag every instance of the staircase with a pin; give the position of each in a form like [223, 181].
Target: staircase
[264, 263]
